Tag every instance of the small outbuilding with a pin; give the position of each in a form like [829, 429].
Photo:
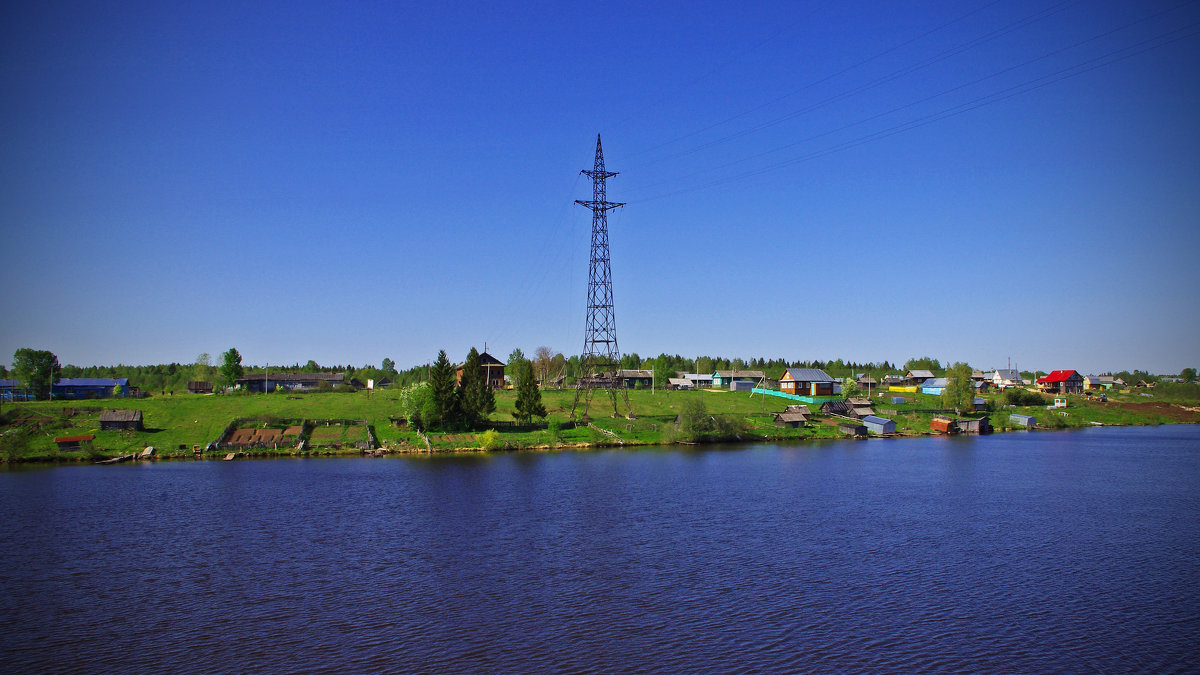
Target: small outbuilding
[983, 425]
[791, 419]
[74, 443]
[1027, 421]
[679, 383]
[879, 425]
[943, 425]
[198, 387]
[121, 420]
[853, 429]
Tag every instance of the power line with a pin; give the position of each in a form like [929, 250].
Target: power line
[926, 99]
[946, 113]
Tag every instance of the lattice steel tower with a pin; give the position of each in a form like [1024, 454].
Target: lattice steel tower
[601, 356]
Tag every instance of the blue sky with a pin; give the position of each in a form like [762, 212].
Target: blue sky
[346, 182]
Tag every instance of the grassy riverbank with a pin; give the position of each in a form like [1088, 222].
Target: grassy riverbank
[175, 424]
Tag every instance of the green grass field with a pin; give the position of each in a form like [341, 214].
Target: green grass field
[189, 420]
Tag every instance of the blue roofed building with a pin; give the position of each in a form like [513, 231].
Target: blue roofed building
[90, 387]
[12, 390]
[934, 385]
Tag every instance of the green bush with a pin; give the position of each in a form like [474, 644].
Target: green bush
[1020, 397]
[490, 440]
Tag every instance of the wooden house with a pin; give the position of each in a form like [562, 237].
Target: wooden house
[806, 382]
[491, 367]
[700, 380]
[200, 387]
[1061, 382]
[121, 420]
[635, 379]
[916, 377]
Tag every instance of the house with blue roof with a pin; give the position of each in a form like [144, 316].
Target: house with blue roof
[934, 385]
[89, 387]
[12, 390]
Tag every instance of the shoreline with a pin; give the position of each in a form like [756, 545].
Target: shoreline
[412, 451]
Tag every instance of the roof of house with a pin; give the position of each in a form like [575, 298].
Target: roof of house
[858, 401]
[756, 374]
[791, 417]
[1058, 376]
[74, 439]
[1008, 374]
[679, 381]
[935, 382]
[121, 416]
[809, 375]
[293, 377]
[836, 407]
[919, 374]
[867, 379]
[634, 373]
[92, 381]
[797, 407]
[875, 420]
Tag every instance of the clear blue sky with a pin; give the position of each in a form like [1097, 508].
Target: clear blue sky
[346, 182]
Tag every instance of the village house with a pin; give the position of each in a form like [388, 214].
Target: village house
[916, 377]
[491, 367]
[1061, 382]
[198, 387]
[1004, 378]
[867, 383]
[934, 385]
[806, 382]
[723, 378]
[11, 390]
[700, 380]
[90, 387]
[1095, 382]
[121, 420]
[678, 383]
[270, 381]
[635, 379]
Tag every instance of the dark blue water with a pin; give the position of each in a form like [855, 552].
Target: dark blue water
[1063, 552]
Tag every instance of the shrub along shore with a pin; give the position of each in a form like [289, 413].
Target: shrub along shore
[339, 423]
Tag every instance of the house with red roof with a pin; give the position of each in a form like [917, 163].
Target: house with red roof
[1061, 382]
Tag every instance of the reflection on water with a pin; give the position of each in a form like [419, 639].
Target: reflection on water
[1017, 552]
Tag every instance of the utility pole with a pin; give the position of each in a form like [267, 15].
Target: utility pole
[601, 356]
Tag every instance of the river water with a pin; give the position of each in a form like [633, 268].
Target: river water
[1022, 552]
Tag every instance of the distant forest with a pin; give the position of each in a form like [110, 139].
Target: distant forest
[549, 366]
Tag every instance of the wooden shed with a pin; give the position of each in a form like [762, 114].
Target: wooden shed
[943, 425]
[983, 425]
[121, 420]
[791, 419]
[853, 429]
[200, 387]
[72, 443]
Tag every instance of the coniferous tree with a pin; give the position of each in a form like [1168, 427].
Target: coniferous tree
[476, 397]
[529, 397]
[445, 396]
